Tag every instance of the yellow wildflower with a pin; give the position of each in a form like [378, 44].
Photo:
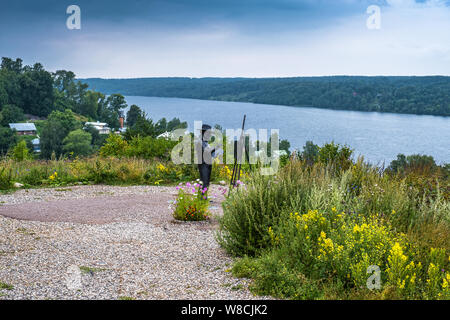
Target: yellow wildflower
[446, 281]
[161, 167]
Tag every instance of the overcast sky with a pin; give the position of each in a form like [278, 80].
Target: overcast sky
[229, 38]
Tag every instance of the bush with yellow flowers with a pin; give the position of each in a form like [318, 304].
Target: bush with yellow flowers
[336, 244]
[337, 249]
[225, 172]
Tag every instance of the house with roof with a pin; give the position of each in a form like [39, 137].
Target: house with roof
[168, 135]
[36, 145]
[100, 126]
[24, 129]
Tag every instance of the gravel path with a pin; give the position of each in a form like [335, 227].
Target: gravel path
[109, 242]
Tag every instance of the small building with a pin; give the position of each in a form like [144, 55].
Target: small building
[100, 126]
[168, 135]
[24, 129]
[122, 130]
[36, 145]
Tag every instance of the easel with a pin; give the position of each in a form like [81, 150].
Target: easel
[236, 175]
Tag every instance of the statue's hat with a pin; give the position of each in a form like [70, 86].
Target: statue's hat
[206, 127]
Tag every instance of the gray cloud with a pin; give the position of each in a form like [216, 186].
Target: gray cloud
[229, 37]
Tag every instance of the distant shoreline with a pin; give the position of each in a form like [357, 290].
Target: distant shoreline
[425, 95]
[280, 105]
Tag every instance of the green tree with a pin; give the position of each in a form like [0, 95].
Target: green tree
[20, 152]
[310, 152]
[175, 123]
[71, 94]
[116, 102]
[89, 104]
[143, 127]
[37, 90]
[11, 65]
[11, 114]
[97, 139]
[115, 146]
[133, 115]
[111, 110]
[414, 162]
[7, 139]
[3, 93]
[161, 126]
[64, 81]
[285, 145]
[55, 129]
[10, 74]
[78, 143]
[332, 153]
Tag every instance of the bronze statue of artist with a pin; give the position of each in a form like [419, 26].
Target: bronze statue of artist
[205, 165]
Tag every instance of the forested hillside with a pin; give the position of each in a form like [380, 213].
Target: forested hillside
[31, 92]
[60, 106]
[35, 91]
[415, 95]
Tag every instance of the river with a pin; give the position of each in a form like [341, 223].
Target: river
[379, 137]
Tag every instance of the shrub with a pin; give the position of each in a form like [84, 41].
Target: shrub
[78, 143]
[108, 170]
[250, 212]
[310, 152]
[335, 154]
[319, 230]
[35, 176]
[8, 139]
[192, 203]
[101, 172]
[20, 152]
[271, 277]
[56, 128]
[247, 216]
[5, 179]
[115, 146]
[332, 247]
[148, 148]
[139, 147]
[415, 162]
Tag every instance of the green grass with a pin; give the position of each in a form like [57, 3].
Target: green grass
[237, 287]
[287, 256]
[91, 270]
[5, 286]
[94, 170]
[25, 231]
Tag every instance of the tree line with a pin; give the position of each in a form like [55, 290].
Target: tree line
[412, 95]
